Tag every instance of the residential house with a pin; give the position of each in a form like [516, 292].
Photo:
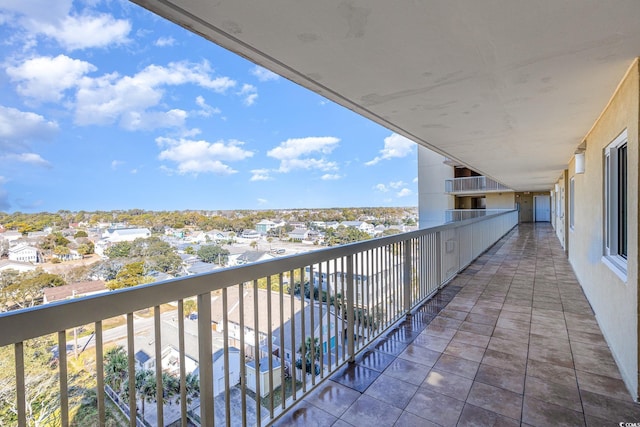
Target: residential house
[249, 257]
[71, 256]
[264, 226]
[359, 225]
[25, 253]
[74, 290]
[251, 235]
[116, 235]
[220, 371]
[11, 235]
[321, 322]
[299, 235]
[264, 373]
[18, 266]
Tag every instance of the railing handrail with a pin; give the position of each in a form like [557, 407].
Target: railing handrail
[473, 183]
[28, 323]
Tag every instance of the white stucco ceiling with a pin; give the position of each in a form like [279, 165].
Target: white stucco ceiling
[508, 87]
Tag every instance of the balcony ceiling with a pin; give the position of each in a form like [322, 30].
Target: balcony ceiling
[509, 88]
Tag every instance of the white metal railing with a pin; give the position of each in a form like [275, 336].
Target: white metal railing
[355, 292]
[473, 184]
[451, 215]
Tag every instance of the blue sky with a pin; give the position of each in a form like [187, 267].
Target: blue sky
[105, 106]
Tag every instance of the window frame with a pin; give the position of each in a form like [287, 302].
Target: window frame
[616, 189]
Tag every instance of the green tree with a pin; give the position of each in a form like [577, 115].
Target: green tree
[189, 250]
[80, 233]
[190, 306]
[311, 355]
[86, 248]
[213, 253]
[119, 250]
[130, 275]
[115, 367]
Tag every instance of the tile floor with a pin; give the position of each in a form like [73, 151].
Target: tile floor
[511, 341]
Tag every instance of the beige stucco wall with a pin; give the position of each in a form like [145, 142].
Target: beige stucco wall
[432, 200]
[614, 301]
[506, 200]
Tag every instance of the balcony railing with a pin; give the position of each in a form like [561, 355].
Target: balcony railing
[324, 307]
[473, 184]
[451, 215]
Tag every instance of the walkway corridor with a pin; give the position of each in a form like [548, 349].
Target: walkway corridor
[511, 341]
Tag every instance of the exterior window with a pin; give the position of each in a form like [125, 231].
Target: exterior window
[572, 190]
[615, 194]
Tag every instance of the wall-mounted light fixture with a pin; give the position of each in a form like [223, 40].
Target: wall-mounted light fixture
[580, 158]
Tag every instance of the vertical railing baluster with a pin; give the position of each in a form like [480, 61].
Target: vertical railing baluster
[321, 339]
[62, 371]
[312, 327]
[131, 371]
[407, 276]
[243, 369]
[350, 312]
[270, 345]
[159, 383]
[225, 353]
[292, 324]
[303, 334]
[329, 314]
[281, 337]
[256, 350]
[439, 259]
[183, 368]
[100, 374]
[205, 360]
[21, 392]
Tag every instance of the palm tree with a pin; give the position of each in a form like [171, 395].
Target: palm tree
[307, 355]
[146, 386]
[193, 387]
[254, 245]
[115, 367]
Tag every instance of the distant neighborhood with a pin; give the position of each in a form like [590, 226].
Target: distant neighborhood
[48, 258]
[88, 248]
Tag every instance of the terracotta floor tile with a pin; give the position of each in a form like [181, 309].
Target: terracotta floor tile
[474, 416]
[457, 365]
[501, 377]
[420, 355]
[500, 360]
[538, 413]
[401, 395]
[431, 342]
[448, 383]
[496, 399]
[464, 350]
[371, 411]
[305, 414]
[435, 407]
[408, 371]
[332, 397]
[558, 394]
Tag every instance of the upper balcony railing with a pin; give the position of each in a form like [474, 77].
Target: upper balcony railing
[257, 351]
[473, 184]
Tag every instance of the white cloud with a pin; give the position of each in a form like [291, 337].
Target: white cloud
[115, 164]
[260, 175]
[165, 41]
[404, 192]
[262, 201]
[113, 98]
[296, 153]
[18, 127]
[29, 158]
[263, 74]
[381, 187]
[415, 180]
[38, 11]
[201, 156]
[206, 110]
[250, 94]
[395, 146]
[330, 177]
[46, 78]
[396, 184]
[133, 171]
[85, 31]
